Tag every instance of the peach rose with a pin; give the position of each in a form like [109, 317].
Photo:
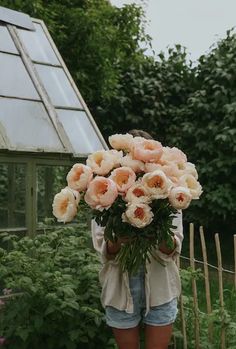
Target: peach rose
[136, 165]
[124, 177]
[65, 205]
[190, 182]
[79, 177]
[147, 150]
[121, 142]
[180, 197]
[137, 193]
[157, 184]
[172, 155]
[103, 161]
[138, 214]
[101, 193]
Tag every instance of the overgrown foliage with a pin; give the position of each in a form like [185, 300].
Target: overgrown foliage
[59, 307]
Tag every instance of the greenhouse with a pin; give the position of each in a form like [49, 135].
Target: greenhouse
[45, 125]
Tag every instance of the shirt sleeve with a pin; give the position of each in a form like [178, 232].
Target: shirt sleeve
[99, 242]
[178, 235]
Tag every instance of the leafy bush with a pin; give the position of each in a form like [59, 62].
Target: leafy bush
[59, 306]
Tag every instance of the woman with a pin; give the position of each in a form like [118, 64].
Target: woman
[149, 298]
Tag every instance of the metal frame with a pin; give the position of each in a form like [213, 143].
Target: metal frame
[16, 18]
[72, 82]
[31, 162]
[45, 99]
[41, 90]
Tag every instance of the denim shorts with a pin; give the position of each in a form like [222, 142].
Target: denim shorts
[161, 315]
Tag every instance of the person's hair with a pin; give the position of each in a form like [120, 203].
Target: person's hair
[140, 133]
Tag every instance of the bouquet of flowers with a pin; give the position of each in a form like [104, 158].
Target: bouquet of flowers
[134, 191]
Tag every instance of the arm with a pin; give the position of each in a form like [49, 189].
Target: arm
[107, 249]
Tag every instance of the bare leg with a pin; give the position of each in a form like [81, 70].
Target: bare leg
[157, 337]
[127, 338]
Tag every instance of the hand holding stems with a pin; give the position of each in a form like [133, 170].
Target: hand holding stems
[164, 248]
[114, 247]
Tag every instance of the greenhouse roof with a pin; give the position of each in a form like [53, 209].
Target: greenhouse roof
[41, 109]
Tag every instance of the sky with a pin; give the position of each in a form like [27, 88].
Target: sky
[195, 24]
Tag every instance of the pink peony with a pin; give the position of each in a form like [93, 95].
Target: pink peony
[121, 142]
[152, 166]
[124, 177]
[101, 193]
[172, 155]
[136, 165]
[147, 150]
[188, 168]
[138, 214]
[79, 177]
[190, 182]
[116, 157]
[171, 170]
[180, 198]
[65, 205]
[103, 161]
[157, 184]
[137, 193]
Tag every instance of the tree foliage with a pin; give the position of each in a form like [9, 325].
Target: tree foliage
[193, 108]
[207, 132]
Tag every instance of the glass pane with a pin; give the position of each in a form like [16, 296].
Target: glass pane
[58, 86]
[27, 126]
[12, 195]
[14, 79]
[6, 42]
[80, 131]
[37, 45]
[50, 181]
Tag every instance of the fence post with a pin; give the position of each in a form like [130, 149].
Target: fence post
[221, 292]
[194, 287]
[207, 284]
[182, 315]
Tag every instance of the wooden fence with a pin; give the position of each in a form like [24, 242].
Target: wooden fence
[207, 273]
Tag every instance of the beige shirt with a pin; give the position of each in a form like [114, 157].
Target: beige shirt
[162, 281]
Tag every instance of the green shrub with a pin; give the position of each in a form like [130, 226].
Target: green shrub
[219, 318]
[57, 274]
